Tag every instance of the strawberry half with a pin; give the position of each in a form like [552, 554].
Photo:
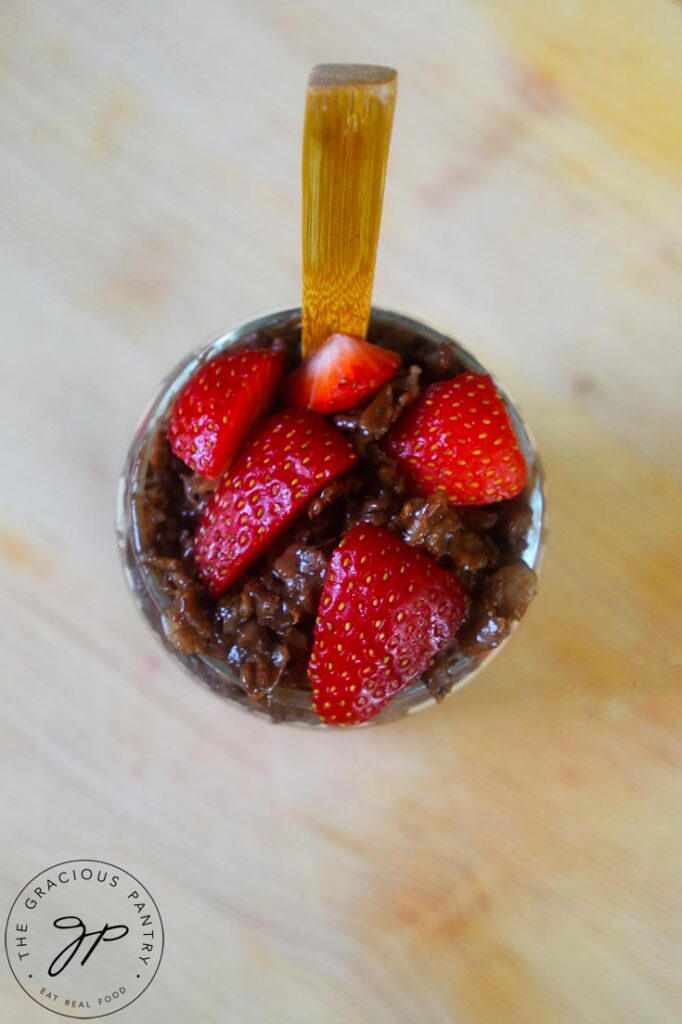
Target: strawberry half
[342, 374]
[458, 436]
[386, 611]
[289, 458]
[218, 406]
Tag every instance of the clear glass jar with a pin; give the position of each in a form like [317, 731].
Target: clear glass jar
[285, 704]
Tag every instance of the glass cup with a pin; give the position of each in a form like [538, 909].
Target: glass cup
[285, 704]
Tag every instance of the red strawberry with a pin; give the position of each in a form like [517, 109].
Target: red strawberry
[342, 374]
[289, 458]
[386, 611]
[218, 406]
[458, 436]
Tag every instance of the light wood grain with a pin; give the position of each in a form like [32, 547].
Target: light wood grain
[513, 855]
[348, 118]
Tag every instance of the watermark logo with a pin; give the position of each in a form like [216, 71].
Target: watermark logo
[84, 938]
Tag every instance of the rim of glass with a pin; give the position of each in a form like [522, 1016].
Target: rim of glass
[144, 584]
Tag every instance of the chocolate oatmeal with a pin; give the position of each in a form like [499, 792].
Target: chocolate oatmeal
[262, 627]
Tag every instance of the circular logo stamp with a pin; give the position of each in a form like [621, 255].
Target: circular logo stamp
[84, 938]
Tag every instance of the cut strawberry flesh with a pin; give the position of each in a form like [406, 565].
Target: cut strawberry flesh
[218, 406]
[386, 611]
[288, 459]
[344, 373]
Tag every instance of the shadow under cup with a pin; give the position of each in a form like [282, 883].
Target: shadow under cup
[286, 704]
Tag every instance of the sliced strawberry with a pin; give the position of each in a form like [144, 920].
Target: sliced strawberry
[386, 611]
[458, 436]
[218, 406]
[342, 374]
[289, 458]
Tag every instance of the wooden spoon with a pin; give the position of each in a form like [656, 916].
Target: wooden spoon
[349, 113]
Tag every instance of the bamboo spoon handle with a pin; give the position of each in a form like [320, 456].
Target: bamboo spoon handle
[349, 113]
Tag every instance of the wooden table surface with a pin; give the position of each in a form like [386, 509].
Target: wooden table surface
[514, 855]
